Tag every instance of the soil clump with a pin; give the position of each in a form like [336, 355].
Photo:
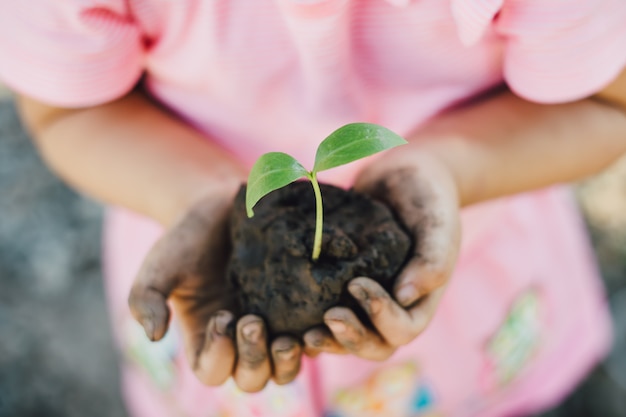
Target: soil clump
[271, 270]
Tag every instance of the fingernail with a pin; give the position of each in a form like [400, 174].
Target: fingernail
[336, 326]
[318, 342]
[314, 338]
[371, 305]
[358, 292]
[286, 355]
[374, 306]
[283, 345]
[222, 321]
[148, 327]
[407, 294]
[252, 331]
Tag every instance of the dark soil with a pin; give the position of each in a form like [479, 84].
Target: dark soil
[271, 266]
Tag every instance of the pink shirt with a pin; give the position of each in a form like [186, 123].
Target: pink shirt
[524, 316]
[296, 70]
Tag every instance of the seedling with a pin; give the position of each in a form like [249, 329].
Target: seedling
[347, 144]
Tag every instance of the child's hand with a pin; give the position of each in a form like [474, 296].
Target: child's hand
[423, 193]
[187, 267]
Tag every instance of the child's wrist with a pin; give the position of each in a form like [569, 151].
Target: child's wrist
[221, 191]
[444, 157]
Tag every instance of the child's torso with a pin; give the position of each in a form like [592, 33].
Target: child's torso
[282, 74]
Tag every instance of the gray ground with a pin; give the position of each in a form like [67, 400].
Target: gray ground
[56, 355]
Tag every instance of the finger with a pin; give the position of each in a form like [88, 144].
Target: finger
[436, 250]
[149, 307]
[155, 281]
[215, 361]
[422, 276]
[422, 313]
[286, 354]
[321, 340]
[253, 368]
[354, 336]
[395, 325]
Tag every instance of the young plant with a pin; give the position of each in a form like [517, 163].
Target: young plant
[349, 143]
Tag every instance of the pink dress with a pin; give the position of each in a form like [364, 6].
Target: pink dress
[524, 317]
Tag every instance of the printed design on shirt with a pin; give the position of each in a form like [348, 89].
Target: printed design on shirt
[276, 401]
[156, 359]
[396, 391]
[512, 347]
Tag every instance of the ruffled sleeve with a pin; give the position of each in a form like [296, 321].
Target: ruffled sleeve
[474, 17]
[70, 53]
[554, 51]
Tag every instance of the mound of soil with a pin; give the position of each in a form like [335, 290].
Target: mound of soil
[271, 268]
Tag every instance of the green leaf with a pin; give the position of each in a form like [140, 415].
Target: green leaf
[270, 172]
[352, 142]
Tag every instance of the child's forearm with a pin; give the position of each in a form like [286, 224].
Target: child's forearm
[130, 153]
[506, 145]
[501, 146]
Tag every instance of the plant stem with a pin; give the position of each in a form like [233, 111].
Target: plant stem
[319, 217]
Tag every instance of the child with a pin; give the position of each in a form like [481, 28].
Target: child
[510, 331]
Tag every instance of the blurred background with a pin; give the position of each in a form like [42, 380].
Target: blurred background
[56, 354]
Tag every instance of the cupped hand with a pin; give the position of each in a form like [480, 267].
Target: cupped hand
[186, 268]
[423, 194]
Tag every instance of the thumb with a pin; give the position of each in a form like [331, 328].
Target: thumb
[418, 279]
[150, 309]
[152, 287]
[434, 257]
